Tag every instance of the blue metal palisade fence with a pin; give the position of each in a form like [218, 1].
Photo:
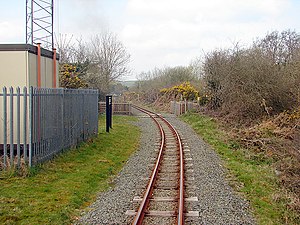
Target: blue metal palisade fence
[38, 123]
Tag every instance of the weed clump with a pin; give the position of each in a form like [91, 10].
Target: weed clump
[8, 170]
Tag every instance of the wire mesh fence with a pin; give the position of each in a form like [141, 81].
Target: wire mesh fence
[38, 123]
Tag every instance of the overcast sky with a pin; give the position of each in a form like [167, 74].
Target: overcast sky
[160, 33]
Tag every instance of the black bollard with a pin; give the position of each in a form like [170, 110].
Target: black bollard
[108, 112]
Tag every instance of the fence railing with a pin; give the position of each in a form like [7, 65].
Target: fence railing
[117, 108]
[38, 123]
[182, 107]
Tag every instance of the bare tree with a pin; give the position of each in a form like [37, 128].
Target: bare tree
[72, 51]
[109, 60]
[282, 47]
[74, 61]
[65, 48]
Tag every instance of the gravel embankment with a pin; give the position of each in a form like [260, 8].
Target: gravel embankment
[111, 206]
[218, 204]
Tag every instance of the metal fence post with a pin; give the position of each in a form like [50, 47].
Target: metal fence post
[62, 119]
[18, 128]
[11, 125]
[30, 130]
[83, 122]
[4, 126]
[25, 124]
[97, 112]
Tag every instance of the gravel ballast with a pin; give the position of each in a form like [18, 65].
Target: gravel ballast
[217, 202]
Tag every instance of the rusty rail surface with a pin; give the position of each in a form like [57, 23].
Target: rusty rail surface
[138, 219]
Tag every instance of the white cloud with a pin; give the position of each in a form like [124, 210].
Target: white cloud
[163, 32]
[172, 32]
[12, 31]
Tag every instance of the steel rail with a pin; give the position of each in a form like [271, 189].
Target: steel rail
[145, 201]
[138, 219]
[180, 215]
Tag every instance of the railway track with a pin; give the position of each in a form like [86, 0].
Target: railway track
[164, 197]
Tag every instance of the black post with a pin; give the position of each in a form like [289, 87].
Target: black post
[108, 112]
[111, 112]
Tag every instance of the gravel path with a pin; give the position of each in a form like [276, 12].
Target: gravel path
[217, 204]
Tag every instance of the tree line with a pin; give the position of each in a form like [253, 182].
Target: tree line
[263, 79]
[94, 63]
[242, 83]
[150, 84]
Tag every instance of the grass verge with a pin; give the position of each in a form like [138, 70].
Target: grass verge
[55, 192]
[251, 174]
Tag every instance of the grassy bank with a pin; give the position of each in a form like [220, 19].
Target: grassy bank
[250, 173]
[54, 193]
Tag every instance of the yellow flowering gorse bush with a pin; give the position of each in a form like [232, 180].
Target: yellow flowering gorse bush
[69, 77]
[186, 90]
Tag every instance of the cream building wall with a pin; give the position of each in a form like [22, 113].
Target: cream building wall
[14, 68]
[19, 66]
[19, 69]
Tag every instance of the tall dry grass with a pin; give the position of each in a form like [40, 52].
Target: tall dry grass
[8, 169]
